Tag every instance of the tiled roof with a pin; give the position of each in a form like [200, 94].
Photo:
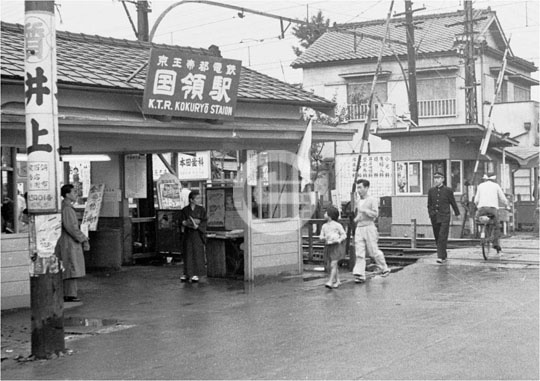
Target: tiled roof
[434, 36]
[103, 61]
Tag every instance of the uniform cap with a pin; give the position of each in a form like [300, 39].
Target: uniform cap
[438, 174]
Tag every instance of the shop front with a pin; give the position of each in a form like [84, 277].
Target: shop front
[100, 114]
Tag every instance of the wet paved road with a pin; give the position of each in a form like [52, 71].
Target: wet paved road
[463, 320]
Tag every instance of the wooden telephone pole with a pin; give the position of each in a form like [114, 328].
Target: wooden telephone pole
[411, 58]
[470, 76]
[42, 142]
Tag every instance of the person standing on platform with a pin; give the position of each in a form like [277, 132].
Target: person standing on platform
[440, 198]
[70, 245]
[194, 219]
[366, 235]
[333, 234]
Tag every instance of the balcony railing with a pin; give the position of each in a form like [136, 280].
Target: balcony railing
[358, 111]
[436, 108]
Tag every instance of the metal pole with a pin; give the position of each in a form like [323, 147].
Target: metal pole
[41, 110]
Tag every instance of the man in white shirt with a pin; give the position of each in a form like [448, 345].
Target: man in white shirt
[487, 198]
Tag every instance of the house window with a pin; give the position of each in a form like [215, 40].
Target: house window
[436, 97]
[502, 96]
[521, 94]
[523, 184]
[408, 177]
[358, 97]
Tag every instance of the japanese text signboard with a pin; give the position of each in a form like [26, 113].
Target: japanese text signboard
[93, 207]
[41, 112]
[376, 168]
[194, 167]
[190, 85]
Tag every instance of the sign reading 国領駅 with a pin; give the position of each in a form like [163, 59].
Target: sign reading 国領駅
[190, 85]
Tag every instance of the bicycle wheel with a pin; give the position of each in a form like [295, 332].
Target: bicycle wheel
[486, 242]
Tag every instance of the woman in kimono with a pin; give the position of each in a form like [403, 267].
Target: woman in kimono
[69, 248]
[193, 219]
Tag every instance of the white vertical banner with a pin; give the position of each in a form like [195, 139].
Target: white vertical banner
[304, 157]
[41, 112]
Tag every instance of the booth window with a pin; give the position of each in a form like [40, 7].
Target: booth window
[428, 170]
[456, 176]
[273, 196]
[408, 177]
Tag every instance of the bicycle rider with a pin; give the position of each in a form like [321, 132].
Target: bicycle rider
[487, 198]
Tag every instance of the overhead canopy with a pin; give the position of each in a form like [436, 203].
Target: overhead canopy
[132, 132]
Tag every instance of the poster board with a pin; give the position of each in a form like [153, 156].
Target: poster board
[224, 211]
[169, 192]
[215, 204]
[93, 207]
[135, 175]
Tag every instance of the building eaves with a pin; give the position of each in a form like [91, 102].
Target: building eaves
[436, 36]
[106, 62]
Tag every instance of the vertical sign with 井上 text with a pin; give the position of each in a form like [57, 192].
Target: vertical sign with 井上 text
[183, 84]
[41, 111]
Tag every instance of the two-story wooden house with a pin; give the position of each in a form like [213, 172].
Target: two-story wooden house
[400, 159]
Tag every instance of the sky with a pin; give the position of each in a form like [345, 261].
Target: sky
[254, 39]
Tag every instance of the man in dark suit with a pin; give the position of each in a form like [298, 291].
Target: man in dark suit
[440, 198]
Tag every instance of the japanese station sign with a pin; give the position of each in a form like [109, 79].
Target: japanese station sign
[41, 113]
[189, 85]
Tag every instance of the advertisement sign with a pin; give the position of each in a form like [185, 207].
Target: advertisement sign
[169, 192]
[93, 206]
[183, 84]
[376, 168]
[41, 113]
[194, 167]
[135, 175]
[215, 204]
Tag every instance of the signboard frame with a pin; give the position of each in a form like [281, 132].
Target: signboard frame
[185, 84]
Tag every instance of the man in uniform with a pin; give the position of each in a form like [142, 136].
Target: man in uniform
[440, 198]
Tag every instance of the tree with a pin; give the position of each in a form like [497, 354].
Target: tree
[308, 34]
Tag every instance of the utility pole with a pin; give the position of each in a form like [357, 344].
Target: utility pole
[42, 142]
[142, 20]
[467, 49]
[470, 77]
[411, 57]
[146, 205]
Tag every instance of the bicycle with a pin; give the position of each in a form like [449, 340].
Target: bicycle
[487, 234]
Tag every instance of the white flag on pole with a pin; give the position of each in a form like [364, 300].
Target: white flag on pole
[303, 157]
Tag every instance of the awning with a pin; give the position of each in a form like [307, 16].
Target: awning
[133, 132]
[518, 77]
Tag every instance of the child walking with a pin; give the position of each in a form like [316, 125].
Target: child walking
[333, 234]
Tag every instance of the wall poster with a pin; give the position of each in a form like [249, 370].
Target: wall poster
[215, 204]
[169, 192]
[135, 175]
